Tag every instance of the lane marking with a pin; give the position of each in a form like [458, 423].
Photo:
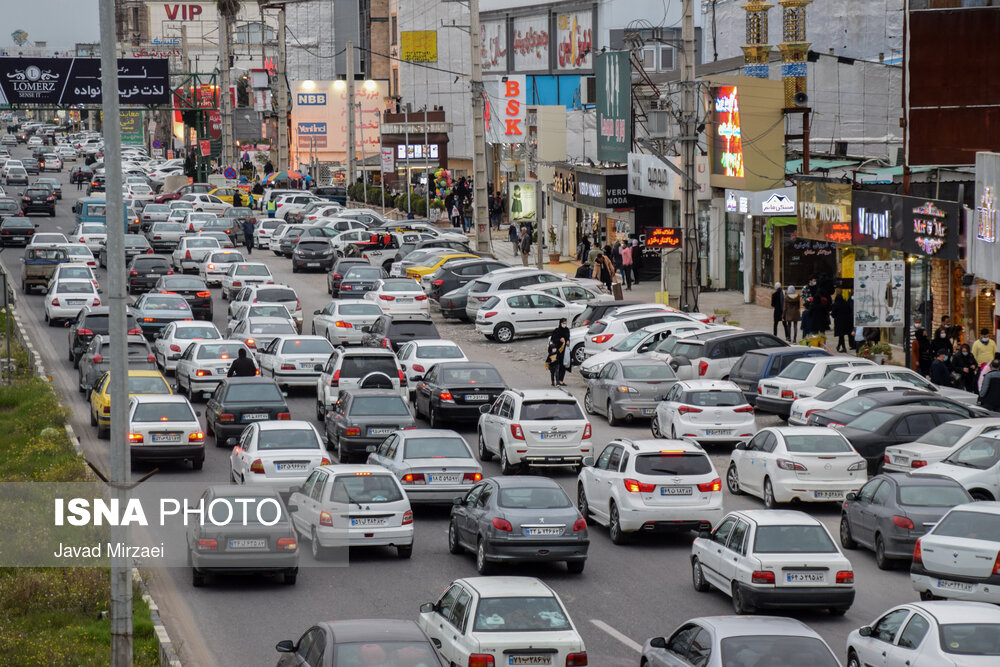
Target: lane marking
[617, 635]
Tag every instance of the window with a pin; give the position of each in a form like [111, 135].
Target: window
[882, 495]
[616, 459]
[678, 644]
[700, 649]
[484, 497]
[672, 464]
[969, 525]
[914, 632]
[473, 495]
[751, 365]
[311, 647]
[666, 58]
[915, 425]
[602, 461]
[649, 58]
[887, 627]
[519, 301]
[736, 540]
[793, 539]
[520, 614]
[461, 609]
[316, 492]
[543, 301]
[721, 534]
[447, 602]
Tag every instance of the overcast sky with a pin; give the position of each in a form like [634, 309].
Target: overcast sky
[60, 23]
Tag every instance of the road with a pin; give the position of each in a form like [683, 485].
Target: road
[626, 594]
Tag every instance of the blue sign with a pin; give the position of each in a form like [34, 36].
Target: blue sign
[312, 128]
[229, 173]
[157, 143]
[310, 99]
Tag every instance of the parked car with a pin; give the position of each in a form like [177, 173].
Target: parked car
[844, 412]
[704, 411]
[975, 465]
[759, 364]
[516, 313]
[400, 642]
[638, 344]
[777, 393]
[871, 432]
[937, 444]
[453, 303]
[803, 408]
[455, 274]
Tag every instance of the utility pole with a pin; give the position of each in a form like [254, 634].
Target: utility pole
[361, 123]
[349, 60]
[406, 154]
[427, 166]
[121, 567]
[690, 280]
[381, 171]
[282, 94]
[225, 102]
[480, 215]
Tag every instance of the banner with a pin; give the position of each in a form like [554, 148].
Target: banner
[506, 110]
[320, 115]
[388, 160]
[493, 44]
[65, 81]
[574, 41]
[419, 46]
[983, 235]
[522, 202]
[824, 211]
[133, 132]
[614, 106]
[531, 43]
[878, 294]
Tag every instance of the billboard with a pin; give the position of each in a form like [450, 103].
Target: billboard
[727, 136]
[65, 81]
[824, 211]
[522, 202]
[878, 294]
[320, 115]
[745, 134]
[614, 106]
[133, 129]
[574, 41]
[493, 45]
[914, 225]
[982, 229]
[531, 43]
[506, 110]
[419, 46]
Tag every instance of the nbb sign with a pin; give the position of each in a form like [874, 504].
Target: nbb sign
[310, 99]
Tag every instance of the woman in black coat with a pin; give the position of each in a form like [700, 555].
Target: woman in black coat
[843, 321]
[965, 365]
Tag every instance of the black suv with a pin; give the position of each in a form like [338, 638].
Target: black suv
[16, 232]
[193, 289]
[145, 270]
[393, 331]
[340, 266]
[455, 274]
[332, 193]
[312, 254]
[92, 321]
[38, 199]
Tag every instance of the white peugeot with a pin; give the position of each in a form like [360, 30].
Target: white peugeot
[937, 444]
[704, 411]
[276, 454]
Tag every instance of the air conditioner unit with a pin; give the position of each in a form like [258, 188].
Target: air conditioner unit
[588, 90]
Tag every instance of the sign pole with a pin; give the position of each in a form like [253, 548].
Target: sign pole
[351, 154]
[378, 112]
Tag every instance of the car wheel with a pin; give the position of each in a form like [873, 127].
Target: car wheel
[579, 355]
[103, 432]
[740, 607]
[482, 565]
[404, 552]
[198, 578]
[575, 566]
[979, 494]
[654, 427]
[837, 611]
[504, 333]
[432, 416]
[93, 417]
[320, 414]
[289, 577]
[454, 546]
[612, 420]
[484, 454]
[883, 562]
[312, 329]
[769, 501]
[588, 403]
[852, 660]
[342, 456]
[615, 527]
[846, 539]
[698, 577]
[581, 503]
[319, 552]
[733, 480]
[506, 467]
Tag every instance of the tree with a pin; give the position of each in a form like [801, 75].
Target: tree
[229, 8]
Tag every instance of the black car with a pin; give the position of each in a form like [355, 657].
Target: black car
[193, 289]
[30, 165]
[392, 331]
[892, 510]
[337, 271]
[52, 184]
[453, 275]
[456, 390]
[93, 321]
[145, 270]
[361, 419]
[239, 401]
[870, 433]
[296, 233]
[16, 232]
[359, 279]
[334, 643]
[38, 200]
[453, 303]
[851, 408]
[332, 193]
[756, 365]
[312, 255]
[80, 173]
[135, 245]
[97, 184]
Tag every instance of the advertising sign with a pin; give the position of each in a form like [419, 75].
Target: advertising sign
[564, 184]
[388, 160]
[614, 106]
[664, 237]
[65, 81]
[649, 177]
[728, 138]
[824, 211]
[574, 41]
[522, 201]
[133, 130]
[913, 225]
[205, 145]
[493, 43]
[531, 43]
[506, 110]
[320, 115]
[602, 190]
[878, 294]
[418, 46]
[984, 252]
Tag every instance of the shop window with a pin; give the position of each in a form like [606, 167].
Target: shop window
[649, 58]
[803, 258]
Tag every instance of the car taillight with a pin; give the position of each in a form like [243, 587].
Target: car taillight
[902, 522]
[386, 343]
[420, 297]
[251, 343]
[55, 302]
[809, 412]
[284, 416]
[335, 380]
[187, 255]
[288, 367]
[917, 463]
[714, 485]
[203, 295]
[170, 272]
[407, 517]
[472, 477]
[257, 467]
[586, 432]
[996, 564]
[324, 461]
[98, 359]
[326, 519]
[237, 283]
[762, 577]
[918, 558]
[603, 338]
[197, 436]
[135, 437]
[386, 297]
[577, 659]
[702, 367]
[352, 430]
[845, 577]
[287, 544]
[579, 524]
[788, 393]
[84, 332]
[481, 660]
[413, 478]
[502, 525]
[208, 544]
[79, 240]
[337, 276]
[437, 283]
[785, 464]
[515, 430]
[202, 373]
[227, 417]
[686, 409]
[745, 408]
[635, 486]
[446, 396]
[150, 358]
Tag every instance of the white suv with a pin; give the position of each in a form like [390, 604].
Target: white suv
[776, 394]
[516, 313]
[346, 367]
[648, 485]
[534, 427]
[606, 332]
[502, 280]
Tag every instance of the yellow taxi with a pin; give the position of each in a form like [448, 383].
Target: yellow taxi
[139, 382]
[226, 195]
[416, 272]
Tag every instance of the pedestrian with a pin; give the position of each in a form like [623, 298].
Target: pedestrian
[242, 366]
[512, 235]
[524, 245]
[626, 253]
[467, 216]
[559, 339]
[941, 339]
[237, 199]
[456, 213]
[843, 321]
[985, 348]
[989, 395]
[964, 365]
[582, 248]
[984, 370]
[604, 271]
[248, 235]
[592, 256]
[777, 305]
[921, 347]
[449, 204]
[940, 374]
[944, 330]
[636, 260]
[79, 179]
[791, 316]
[616, 257]
[552, 357]
[268, 168]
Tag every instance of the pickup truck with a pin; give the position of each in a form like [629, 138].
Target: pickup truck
[39, 263]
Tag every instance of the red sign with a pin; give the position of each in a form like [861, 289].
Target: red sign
[206, 96]
[206, 147]
[728, 140]
[215, 125]
[664, 237]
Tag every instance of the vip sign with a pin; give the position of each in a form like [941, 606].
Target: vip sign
[506, 111]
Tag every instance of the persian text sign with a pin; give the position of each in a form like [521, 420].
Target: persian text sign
[824, 211]
[493, 43]
[664, 237]
[614, 106]
[418, 46]
[64, 81]
[727, 157]
[133, 131]
[531, 43]
[574, 41]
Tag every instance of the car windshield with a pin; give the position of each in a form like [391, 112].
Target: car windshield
[439, 352]
[77, 272]
[871, 421]
[363, 273]
[797, 370]
[147, 384]
[401, 285]
[136, 241]
[395, 653]
[672, 463]
[365, 488]
[202, 243]
[817, 444]
[165, 303]
[313, 246]
[308, 346]
[181, 282]
[792, 539]
[163, 412]
[970, 638]
[219, 351]
[257, 391]
[982, 453]
[251, 269]
[360, 309]
[937, 495]
[272, 328]
[293, 438]
[274, 295]
[944, 435]
[246, 509]
[168, 227]
[436, 448]
[225, 257]
[968, 525]
[775, 651]
[520, 614]
[276, 310]
[654, 372]
[550, 410]
[485, 376]
[193, 333]
[357, 366]
[379, 406]
[414, 329]
[533, 498]
[70, 287]
[717, 398]
[687, 349]
[631, 341]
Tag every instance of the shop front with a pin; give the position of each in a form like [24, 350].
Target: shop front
[593, 203]
[983, 241]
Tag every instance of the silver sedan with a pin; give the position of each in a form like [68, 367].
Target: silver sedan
[628, 388]
[433, 465]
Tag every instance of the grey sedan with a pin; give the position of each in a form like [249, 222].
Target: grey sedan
[153, 312]
[518, 519]
[433, 465]
[628, 388]
[362, 418]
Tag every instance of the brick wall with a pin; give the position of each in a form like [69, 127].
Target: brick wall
[940, 284]
[380, 38]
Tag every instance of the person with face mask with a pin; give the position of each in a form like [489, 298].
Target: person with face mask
[985, 348]
[559, 342]
[964, 364]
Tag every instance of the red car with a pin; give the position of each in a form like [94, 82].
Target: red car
[190, 188]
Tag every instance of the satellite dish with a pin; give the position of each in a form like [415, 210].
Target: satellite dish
[800, 99]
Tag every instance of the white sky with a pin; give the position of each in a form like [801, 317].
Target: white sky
[60, 23]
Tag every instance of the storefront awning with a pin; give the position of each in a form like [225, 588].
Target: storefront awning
[776, 222]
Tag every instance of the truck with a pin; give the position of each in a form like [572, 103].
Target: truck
[38, 265]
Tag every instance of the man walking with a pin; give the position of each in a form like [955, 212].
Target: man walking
[512, 235]
[248, 235]
[243, 366]
[524, 245]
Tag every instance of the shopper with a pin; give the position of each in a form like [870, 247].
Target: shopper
[604, 271]
[777, 305]
[512, 235]
[985, 348]
[791, 315]
[964, 365]
[843, 321]
[636, 261]
[924, 352]
[524, 245]
[559, 339]
[626, 253]
[940, 374]
[989, 395]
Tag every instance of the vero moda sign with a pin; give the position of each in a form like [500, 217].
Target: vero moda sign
[66, 81]
[613, 73]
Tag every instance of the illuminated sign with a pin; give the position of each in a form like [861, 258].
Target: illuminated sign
[310, 99]
[731, 202]
[416, 151]
[929, 229]
[986, 216]
[777, 203]
[665, 237]
[728, 140]
[564, 183]
[824, 211]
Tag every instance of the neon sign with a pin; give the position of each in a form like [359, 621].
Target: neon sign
[986, 217]
[728, 157]
[664, 237]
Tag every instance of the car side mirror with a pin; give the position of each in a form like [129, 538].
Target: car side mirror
[317, 312]
[366, 329]
[658, 642]
[285, 646]
[865, 631]
[68, 324]
[428, 607]
[588, 461]
[851, 496]
[284, 394]
[705, 534]
[457, 501]
[741, 445]
[232, 442]
[484, 408]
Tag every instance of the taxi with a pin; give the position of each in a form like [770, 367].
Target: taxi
[140, 382]
[416, 272]
[226, 195]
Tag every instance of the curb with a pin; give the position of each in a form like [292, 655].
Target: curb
[22, 336]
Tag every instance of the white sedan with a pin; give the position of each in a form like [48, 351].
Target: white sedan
[191, 251]
[417, 356]
[276, 454]
[292, 360]
[804, 463]
[399, 296]
[215, 264]
[77, 253]
[263, 230]
[169, 344]
[704, 411]
[834, 396]
[342, 321]
[937, 444]
[67, 298]
[202, 201]
[243, 275]
[193, 221]
[92, 234]
[164, 427]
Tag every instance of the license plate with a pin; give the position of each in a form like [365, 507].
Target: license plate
[798, 577]
[166, 437]
[477, 397]
[543, 531]
[770, 391]
[648, 411]
[368, 521]
[152, 275]
[828, 494]
[404, 299]
[899, 459]
[675, 490]
[312, 264]
[75, 302]
[718, 431]
[307, 365]
[955, 585]
[286, 467]
[247, 544]
[552, 436]
[529, 660]
[254, 415]
[380, 431]
[443, 479]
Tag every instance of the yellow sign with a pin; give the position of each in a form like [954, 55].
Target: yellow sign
[419, 46]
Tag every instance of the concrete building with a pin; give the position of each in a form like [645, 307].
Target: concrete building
[319, 30]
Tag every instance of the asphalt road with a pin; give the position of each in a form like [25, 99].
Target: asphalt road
[626, 594]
